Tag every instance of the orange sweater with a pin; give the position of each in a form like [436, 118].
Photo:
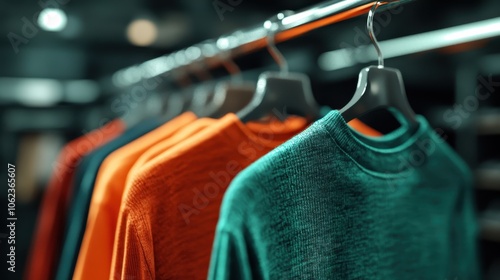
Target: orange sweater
[47, 240]
[169, 212]
[94, 259]
[363, 128]
[179, 137]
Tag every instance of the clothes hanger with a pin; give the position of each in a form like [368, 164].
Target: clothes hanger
[176, 101]
[380, 87]
[187, 96]
[173, 104]
[202, 93]
[280, 91]
[146, 103]
[233, 95]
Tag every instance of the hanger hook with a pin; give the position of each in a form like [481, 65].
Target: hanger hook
[199, 68]
[231, 67]
[272, 26]
[369, 26]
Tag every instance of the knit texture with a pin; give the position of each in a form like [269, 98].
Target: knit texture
[94, 260]
[332, 204]
[47, 239]
[168, 217]
[156, 150]
[80, 201]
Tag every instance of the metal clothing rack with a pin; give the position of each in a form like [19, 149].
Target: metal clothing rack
[213, 53]
[432, 40]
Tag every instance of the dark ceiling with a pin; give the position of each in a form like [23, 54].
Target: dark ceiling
[94, 43]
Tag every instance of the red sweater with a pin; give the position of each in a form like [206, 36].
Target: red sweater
[47, 239]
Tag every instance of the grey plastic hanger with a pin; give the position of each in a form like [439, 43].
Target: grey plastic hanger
[160, 101]
[379, 87]
[233, 95]
[202, 93]
[178, 96]
[280, 91]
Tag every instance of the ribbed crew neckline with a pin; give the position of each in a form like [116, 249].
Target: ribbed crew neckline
[388, 154]
[267, 135]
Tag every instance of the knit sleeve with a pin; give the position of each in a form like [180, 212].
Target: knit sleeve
[229, 257]
[129, 256]
[470, 231]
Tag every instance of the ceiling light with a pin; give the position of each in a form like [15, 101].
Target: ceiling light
[142, 32]
[52, 20]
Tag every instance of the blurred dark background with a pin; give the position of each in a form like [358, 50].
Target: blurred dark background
[58, 60]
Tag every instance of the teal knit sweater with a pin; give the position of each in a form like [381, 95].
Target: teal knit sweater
[332, 204]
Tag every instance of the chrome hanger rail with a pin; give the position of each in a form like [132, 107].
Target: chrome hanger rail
[412, 44]
[213, 53]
